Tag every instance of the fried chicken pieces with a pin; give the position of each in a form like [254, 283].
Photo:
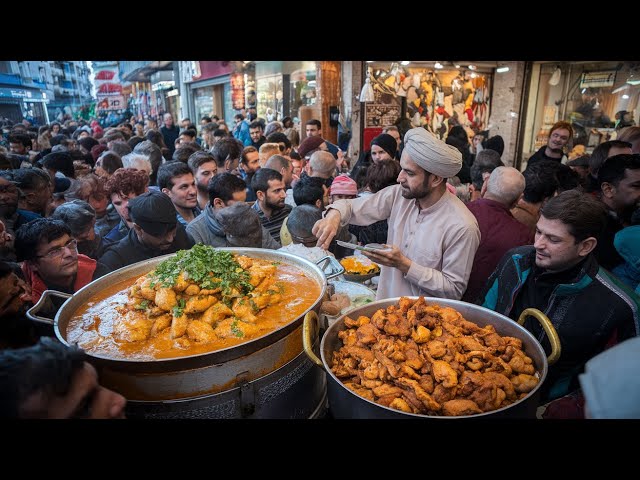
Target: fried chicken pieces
[427, 359]
[193, 314]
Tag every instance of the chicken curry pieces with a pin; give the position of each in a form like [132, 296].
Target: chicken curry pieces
[197, 301]
[427, 359]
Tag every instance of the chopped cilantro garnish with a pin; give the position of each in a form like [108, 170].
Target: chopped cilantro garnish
[254, 306]
[207, 267]
[143, 305]
[179, 308]
[235, 330]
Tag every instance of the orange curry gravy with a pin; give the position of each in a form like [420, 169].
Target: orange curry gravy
[92, 325]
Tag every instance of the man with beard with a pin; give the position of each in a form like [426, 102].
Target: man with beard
[36, 190]
[12, 217]
[50, 258]
[225, 190]
[432, 237]
[559, 136]
[80, 217]
[155, 231]
[204, 168]
[270, 206]
[560, 276]
[15, 329]
[619, 179]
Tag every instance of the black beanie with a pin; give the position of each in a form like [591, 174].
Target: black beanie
[387, 143]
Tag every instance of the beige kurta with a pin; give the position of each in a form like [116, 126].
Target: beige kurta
[441, 241]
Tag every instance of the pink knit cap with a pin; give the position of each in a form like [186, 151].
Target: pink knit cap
[343, 185]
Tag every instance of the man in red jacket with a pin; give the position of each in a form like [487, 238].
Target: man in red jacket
[50, 258]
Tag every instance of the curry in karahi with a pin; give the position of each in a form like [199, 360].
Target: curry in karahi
[199, 300]
[428, 359]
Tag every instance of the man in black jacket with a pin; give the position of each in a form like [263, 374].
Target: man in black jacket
[559, 275]
[155, 232]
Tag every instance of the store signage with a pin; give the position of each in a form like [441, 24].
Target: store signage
[28, 95]
[237, 91]
[110, 102]
[598, 79]
[163, 85]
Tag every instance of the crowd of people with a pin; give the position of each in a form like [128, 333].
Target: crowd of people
[78, 201]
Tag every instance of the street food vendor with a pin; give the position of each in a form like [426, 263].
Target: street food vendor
[432, 237]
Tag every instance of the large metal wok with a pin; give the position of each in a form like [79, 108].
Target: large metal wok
[344, 403]
[201, 374]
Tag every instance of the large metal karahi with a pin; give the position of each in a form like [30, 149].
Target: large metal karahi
[344, 403]
[256, 379]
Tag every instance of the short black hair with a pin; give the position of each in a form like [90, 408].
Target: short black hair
[260, 179]
[29, 236]
[540, 181]
[48, 366]
[583, 215]
[170, 170]
[315, 122]
[486, 161]
[277, 137]
[614, 168]
[224, 185]
[302, 219]
[308, 190]
[198, 158]
[31, 178]
[227, 148]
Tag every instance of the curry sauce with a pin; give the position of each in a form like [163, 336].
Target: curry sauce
[92, 326]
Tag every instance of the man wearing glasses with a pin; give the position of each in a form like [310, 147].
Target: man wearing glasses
[50, 258]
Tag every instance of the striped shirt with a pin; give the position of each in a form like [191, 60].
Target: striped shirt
[273, 223]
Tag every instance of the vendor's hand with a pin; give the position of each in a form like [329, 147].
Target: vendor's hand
[327, 228]
[390, 258]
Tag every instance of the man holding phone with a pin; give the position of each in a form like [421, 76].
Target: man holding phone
[432, 237]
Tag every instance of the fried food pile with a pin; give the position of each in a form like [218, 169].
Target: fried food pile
[200, 294]
[427, 359]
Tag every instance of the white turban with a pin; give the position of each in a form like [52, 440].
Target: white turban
[431, 153]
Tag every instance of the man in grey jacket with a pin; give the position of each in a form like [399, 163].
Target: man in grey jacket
[225, 189]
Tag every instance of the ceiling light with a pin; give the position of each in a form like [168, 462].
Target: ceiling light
[472, 67]
[406, 62]
[502, 69]
[625, 96]
[369, 61]
[584, 90]
[457, 66]
[633, 81]
[438, 65]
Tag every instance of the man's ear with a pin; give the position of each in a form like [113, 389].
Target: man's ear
[435, 180]
[260, 195]
[586, 246]
[608, 190]
[166, 191]
[218, 203]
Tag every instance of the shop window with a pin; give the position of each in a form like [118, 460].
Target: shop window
[436, 99]
[203, 100]
[302, 91]
[597, 98]
[270, 97]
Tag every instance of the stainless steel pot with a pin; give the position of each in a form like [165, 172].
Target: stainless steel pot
[344, 403]
[202, 377]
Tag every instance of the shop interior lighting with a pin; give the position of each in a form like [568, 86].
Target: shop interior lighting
[633, 79]
[438, 65]
[457, 66]
[472, 67]
[584, 90]
[369, 61]
[406, 62]
[473, 75]
[625, 97]
[502, 69]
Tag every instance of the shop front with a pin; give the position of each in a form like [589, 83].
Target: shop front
[597, 98]
[435, 95]
[209, 88]
[17, 104]
[165, 95]
[283, 87]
